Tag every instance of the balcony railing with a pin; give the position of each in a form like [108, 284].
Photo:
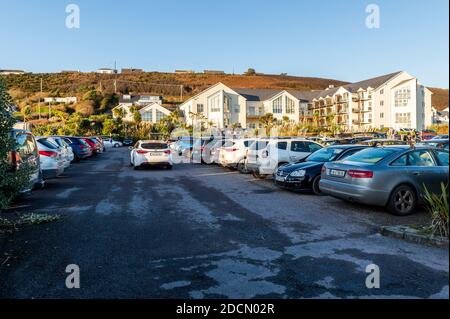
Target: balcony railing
[362, 109]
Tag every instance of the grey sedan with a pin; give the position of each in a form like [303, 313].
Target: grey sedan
[391, 176]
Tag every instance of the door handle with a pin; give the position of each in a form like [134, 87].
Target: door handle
[416, 173]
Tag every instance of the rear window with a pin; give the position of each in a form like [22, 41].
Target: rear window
[247, 143]
[25, 145]
[228, 144]
[154, 146]
[48, 143]
[371, 155]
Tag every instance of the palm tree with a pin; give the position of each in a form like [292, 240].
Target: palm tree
[268, 122]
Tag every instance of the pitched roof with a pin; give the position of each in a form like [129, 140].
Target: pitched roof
[257, 94]
[373, 83]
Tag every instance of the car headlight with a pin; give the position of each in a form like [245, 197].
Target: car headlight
[298, 173]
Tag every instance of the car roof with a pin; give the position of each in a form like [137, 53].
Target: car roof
[153, 141]
[437, 140]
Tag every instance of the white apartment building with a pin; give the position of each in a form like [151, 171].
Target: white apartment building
[223, 106]
[394, 100]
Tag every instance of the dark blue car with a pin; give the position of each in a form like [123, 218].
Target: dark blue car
[79, 147]
[305, 175]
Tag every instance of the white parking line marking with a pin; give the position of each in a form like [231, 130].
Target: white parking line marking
[217, 174]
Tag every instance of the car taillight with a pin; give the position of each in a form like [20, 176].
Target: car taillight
[231, 149]
[142, 152]
[167, 152]
[48, 153]
[360, 174]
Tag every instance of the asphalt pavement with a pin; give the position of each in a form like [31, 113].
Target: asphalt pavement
[201, 231]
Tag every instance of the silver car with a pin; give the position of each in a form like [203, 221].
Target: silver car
[391, 176]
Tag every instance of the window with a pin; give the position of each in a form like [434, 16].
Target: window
[402, 96]
[401, 161]
[200, 108]
[381, 115]
[226, 104]
[381, 103]
[421, 158]
[313, 147]
[26, 145]
[299, 147]
[382, 91]
[147, 116]
[159, 116]
[277, 105]
[349, 153]
[282, 145]
[251, 110]
[371, 155]
[443, 158]
[252, 125]
[403, 118]
[214, 103]
[290, 106]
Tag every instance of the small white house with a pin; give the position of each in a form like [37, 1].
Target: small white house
[153, 113]
[106, 71]
[65, 100]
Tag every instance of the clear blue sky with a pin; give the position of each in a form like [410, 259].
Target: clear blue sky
[326, 38]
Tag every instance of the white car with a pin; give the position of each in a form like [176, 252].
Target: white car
[233, 153]
[278, 152]
[147, 153]
[52, 163]
[66, 150]
[112, 143]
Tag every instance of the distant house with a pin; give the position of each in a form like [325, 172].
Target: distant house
[131, 71]
[127, 101]
[106, 71]
[213, 72]
[153, 113]
[10, 72]
[65, 100]
[184, 71]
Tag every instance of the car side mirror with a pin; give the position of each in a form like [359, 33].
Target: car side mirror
[131, 148]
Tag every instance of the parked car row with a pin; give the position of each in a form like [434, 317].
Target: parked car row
[379, 172]
[49, 156]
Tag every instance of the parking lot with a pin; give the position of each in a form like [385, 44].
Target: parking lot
[201, 231]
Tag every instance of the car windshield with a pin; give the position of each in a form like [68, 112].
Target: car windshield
[325, 154]
[154, 146]
[259, 145]
[371, 155]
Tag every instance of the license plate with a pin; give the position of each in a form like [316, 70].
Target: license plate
[155, 154]
[279, 178]
[337, 173]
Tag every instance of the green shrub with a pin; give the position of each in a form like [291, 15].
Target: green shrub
[437, 205]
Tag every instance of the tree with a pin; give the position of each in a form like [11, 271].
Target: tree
[11, 181]
[268, 122]
[250, 71]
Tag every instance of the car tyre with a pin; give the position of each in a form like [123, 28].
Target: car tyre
[257, 175]
[241, 167]
[403, 201]
[169, 167]
[315, 186]
[116, 145]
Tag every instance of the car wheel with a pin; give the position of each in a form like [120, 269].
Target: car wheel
[258, 175]
[241, 167]
[402, 201]
[315, 186]
[116, 145]
[169, 167]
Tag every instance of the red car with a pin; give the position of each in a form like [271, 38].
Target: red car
[91, 144]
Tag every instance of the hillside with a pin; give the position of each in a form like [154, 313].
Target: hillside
[440, 98]
[25, 88]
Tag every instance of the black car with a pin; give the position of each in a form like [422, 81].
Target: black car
[305, 175]
[128, 141]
